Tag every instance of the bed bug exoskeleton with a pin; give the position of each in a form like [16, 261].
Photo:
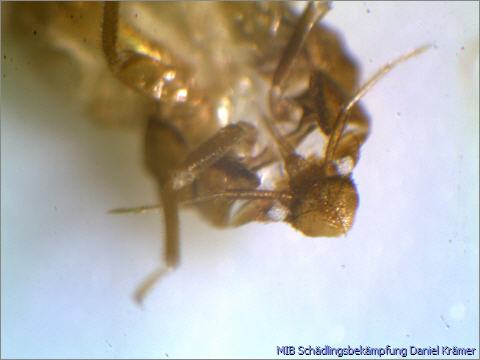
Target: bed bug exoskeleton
[206, 150]
[253, 115]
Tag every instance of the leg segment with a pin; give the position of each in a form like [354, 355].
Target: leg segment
[209, 153]
[313, 13]
[143, 67]
[200, 160]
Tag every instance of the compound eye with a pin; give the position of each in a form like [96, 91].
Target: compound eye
[328, 208]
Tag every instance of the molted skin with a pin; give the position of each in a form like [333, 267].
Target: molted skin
[243, 83]
[223, 71]
[228, 91]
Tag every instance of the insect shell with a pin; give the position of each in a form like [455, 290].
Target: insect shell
[233, 94]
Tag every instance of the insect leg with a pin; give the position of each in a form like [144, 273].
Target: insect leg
[208, 153]
[110, 32]
[142, 67]
[172, 246]
[312, 13]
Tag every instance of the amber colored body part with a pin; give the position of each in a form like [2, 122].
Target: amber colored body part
[230, 98]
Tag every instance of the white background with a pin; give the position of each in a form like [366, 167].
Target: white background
[407, 273]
